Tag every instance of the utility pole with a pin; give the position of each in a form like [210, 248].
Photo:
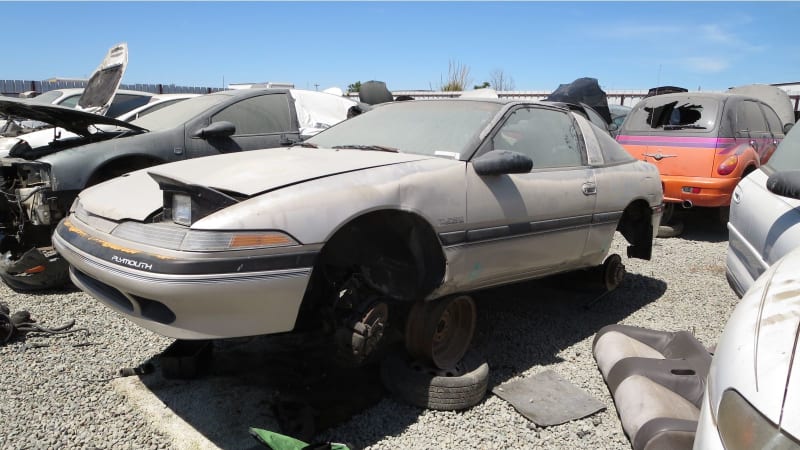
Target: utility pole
[316, 86]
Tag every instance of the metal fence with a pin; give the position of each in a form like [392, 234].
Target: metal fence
[15, 87]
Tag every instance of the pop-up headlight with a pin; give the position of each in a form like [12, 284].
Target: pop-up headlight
[186, 203]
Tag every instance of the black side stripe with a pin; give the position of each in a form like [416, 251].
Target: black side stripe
[522, 228]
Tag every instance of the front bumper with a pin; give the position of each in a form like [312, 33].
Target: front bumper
[185, 298]
[35, 269]
[714, 192]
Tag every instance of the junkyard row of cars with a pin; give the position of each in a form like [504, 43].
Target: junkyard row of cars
[264, 211]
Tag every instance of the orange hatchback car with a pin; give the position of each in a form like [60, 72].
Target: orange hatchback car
[702, 144]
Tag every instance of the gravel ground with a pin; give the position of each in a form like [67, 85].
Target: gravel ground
[59, 395]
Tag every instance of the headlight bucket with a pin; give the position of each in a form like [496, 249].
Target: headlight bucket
[742, 427]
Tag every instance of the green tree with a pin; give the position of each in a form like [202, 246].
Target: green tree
[354, 87]
[482, 86]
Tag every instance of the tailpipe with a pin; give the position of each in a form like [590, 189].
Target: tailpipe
[687, 204]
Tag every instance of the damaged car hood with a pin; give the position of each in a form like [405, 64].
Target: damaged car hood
[78, 122]
[104, 82]
[241, 174]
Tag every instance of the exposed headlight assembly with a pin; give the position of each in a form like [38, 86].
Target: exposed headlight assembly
[186, 203]
[742, 427]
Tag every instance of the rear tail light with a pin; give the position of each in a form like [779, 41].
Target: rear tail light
[728, 166]
[691, 190]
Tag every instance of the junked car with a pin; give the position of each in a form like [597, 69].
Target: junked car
[702, 144]
[40, 183]
[98, 97]
[751, 398]
[765, 216]
[385, 221]
[63, 138]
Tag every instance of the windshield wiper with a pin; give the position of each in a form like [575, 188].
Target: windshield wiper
[379, 148]
[681, 127]
[306, 145]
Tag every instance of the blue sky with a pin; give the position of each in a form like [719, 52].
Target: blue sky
[625, 45]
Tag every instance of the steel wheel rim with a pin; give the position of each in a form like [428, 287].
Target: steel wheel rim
[453, 332]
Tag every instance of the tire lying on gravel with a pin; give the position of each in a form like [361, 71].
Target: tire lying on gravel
[419, 384]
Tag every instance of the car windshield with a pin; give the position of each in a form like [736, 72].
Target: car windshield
[670, 113]
[446, 128]
[787, 155]
[46, 98]
[177, 114]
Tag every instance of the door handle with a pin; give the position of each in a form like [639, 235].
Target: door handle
[589, 188]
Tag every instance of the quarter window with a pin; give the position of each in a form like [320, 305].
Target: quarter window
[773, 120]
[749, 119]
[548, 137]
[258, 115]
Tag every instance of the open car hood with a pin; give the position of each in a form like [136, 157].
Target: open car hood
[78, 122]
[104, 82]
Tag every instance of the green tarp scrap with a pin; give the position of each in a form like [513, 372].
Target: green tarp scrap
[277, 441]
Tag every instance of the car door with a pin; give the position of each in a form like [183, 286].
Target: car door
[262, 121]
[751, 127]
[776, 130]
[521, 225]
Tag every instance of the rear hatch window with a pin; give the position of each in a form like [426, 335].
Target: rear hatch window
[677, 133]
[675, 114]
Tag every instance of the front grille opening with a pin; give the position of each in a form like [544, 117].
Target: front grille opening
[155, 311]
[103, 291]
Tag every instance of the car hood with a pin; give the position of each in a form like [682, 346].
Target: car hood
[78, 122]
[757, 354]
[240, 174]
[104, 82]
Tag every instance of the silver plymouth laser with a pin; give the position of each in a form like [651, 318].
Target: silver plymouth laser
[386, 221]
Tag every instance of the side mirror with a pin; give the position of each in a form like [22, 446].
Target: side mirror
[785, 184]
[612, 127]
[501, 162]
[787, 127]
[216, 129]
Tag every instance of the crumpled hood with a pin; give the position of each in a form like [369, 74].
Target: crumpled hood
[755, 353]
[247, 173]
[70, 119]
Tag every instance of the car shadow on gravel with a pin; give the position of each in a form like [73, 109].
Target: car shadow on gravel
[702, 224]
[529, 324]
[286, 383]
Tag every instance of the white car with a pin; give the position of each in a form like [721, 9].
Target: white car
[764, 222]
[752, 398]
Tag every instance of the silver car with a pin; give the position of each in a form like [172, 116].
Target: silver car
[386, 220]
[764, 223]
